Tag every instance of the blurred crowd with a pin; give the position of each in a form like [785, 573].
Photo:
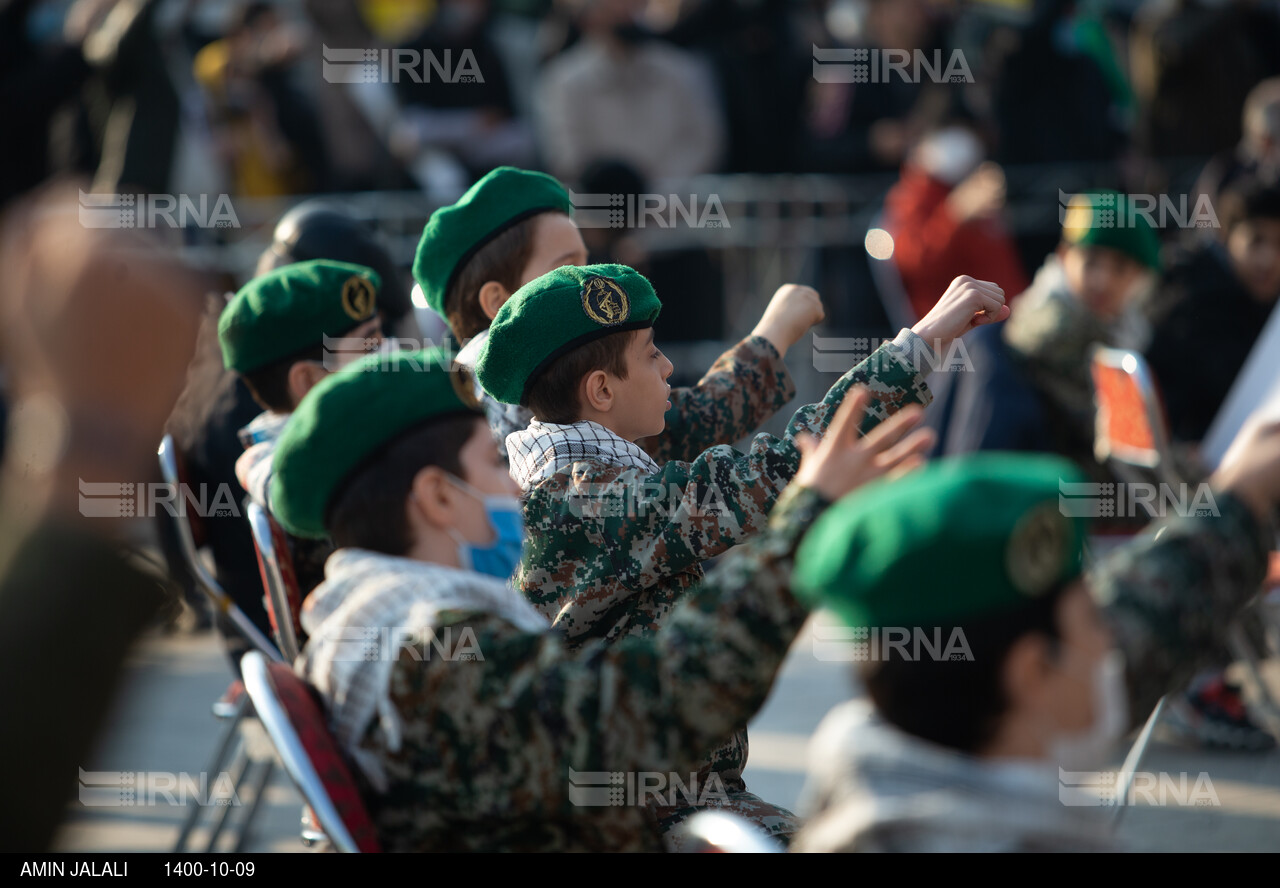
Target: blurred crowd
[187, 96]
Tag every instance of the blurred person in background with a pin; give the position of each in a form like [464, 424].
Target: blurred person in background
[760, 52]
[944, 216]
[1058, 89]
[870, 126]
[620, 93]
[1212, 302]
[88, 92]
[267, 129]
[1193, 62]
[1028, 386]
[1258, 154]
[39, 71]
[96, 329]
[464, 105]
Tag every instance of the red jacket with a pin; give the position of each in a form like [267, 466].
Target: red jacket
[931, 248]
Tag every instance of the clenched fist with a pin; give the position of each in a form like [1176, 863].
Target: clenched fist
[791, 312]
[968, 303]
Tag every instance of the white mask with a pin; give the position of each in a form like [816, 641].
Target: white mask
[950, 154]
[1088, 749]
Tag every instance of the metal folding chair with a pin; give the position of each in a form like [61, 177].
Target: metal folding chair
[231, 755]
[168, 454]
[294, 720]
[284, 599]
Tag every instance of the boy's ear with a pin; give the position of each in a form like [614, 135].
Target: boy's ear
[303, 376]
[1026, 667]
[596, 393]
[431, 497]
[492, 296]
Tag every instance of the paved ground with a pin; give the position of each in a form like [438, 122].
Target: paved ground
[162, 723]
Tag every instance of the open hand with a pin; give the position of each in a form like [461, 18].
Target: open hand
[843, 460]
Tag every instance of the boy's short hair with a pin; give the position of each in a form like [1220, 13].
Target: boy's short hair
[1245, 200]
[958, 703]
[269, 385]
[553, 394]
[501, 259]
[367, 510]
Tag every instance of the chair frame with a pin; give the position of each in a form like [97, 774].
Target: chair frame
[282, 615]
[231, 754]
[293, 756]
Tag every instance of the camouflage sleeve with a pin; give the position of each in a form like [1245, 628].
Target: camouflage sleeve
[1171, 594]
[744, 387]
[689, 512]
[498, 738]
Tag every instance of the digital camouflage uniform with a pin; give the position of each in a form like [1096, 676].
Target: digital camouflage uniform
[604, 562]
[500, 752]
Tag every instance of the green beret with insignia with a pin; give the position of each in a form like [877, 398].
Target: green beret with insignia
[293, 307]
[960, 539]
[348, 417]
[455, 233]
[1106, 219]
[552, 315]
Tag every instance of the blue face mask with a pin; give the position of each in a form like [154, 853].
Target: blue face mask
[500, 557]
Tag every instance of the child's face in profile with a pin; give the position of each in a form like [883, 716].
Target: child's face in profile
[643, 397]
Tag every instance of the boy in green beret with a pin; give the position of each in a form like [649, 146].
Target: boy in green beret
[1029, 387]
[273, 334]
[995, 693]
[474, 726]
[617, 539]
[515, 225]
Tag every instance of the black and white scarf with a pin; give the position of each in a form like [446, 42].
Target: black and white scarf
[544, 448]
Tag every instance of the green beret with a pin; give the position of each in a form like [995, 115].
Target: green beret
[347, 417]
[960, 539]
[1103, 219]
[455, 233]
[286, 310]
[552, 315]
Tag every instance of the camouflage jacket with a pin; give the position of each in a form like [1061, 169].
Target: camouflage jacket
[1171, 594]
[744, 387]
[522, 744]
[611, 549]
[1168, 599]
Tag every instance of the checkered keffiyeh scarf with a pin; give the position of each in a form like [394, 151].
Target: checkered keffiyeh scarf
[357, 618]
[541, 450]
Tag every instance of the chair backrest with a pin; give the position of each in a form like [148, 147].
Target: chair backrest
[168, 455]
[294, 720]
[284, 599]
[1130, 419]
